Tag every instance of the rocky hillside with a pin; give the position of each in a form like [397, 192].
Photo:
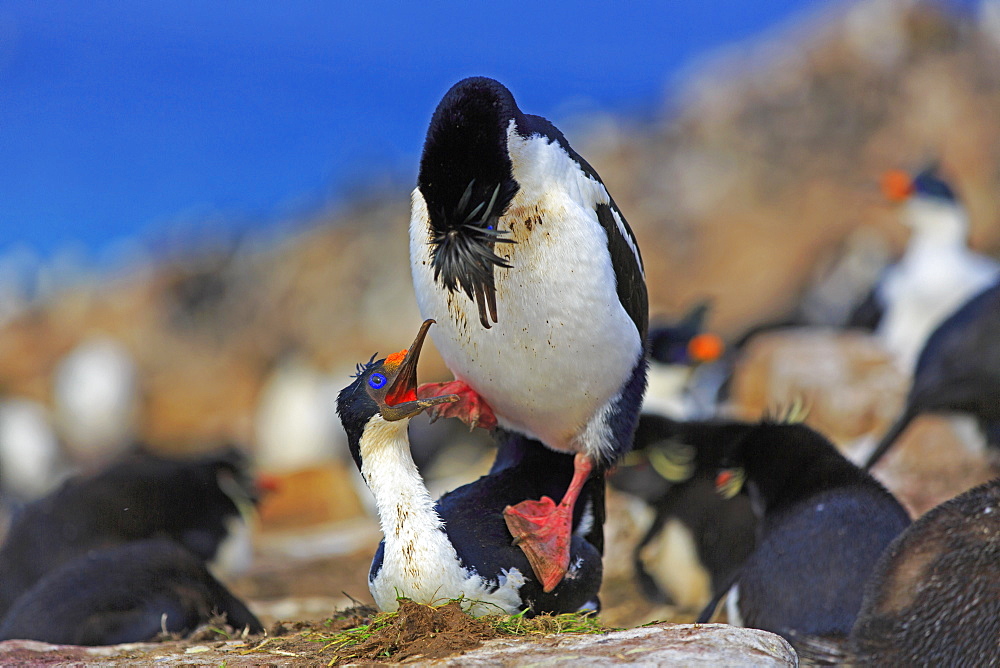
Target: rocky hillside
[760, 170]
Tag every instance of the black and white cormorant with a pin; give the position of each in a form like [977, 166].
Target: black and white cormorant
[536, 281]
[677, 350]
[459, 547]
[958, 371]
[937, 272]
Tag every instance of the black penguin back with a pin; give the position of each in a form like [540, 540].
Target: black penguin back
[958, 370]
[824, 524]
[934, 597]
[127, 593]
[143, 496]
[959, 366]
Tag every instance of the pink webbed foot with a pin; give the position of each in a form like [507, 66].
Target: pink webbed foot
[470, 408]
[544, 530]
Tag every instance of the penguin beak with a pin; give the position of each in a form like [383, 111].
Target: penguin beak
[729, 482]
[400, 400]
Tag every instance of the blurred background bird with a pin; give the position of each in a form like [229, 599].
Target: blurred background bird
[937, 272]
[68, 558]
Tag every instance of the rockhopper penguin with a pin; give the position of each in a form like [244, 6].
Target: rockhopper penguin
[823, 523]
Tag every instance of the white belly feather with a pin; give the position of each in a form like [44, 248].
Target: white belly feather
[563, 345]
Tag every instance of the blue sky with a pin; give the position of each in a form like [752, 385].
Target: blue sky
[122, 119]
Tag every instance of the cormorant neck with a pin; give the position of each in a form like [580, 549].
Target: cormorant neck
[936, 224]
[405, 507]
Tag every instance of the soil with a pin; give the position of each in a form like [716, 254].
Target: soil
[424, 632]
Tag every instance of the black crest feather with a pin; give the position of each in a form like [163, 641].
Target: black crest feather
[466, 181]
[463, 254]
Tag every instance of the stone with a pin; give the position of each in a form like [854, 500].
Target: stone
[656, 645]
[846, 380]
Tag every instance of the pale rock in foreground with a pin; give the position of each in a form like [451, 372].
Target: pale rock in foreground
[658, 645]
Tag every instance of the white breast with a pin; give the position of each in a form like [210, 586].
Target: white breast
[937, 274]
[563, 345]
[419, 562]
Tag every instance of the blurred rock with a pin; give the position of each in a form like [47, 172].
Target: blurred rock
[937, 458]
[853, 392]
[663, 644]
[846, 381]
[309, 496]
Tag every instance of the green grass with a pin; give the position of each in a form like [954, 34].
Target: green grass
[568, 622]
[512, 625]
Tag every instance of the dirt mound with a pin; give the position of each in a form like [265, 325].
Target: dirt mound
[359, 635]
[425, 632]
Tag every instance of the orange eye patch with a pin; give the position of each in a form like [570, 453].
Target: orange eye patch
[896, 185]
[706, 348]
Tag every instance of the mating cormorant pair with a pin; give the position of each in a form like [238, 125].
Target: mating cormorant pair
[535, 280]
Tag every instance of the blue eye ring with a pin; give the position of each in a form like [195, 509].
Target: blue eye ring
[377, 381]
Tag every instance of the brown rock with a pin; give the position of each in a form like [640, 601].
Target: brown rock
[845, 380]
[936, 458]
[658, 645]
[317, 495]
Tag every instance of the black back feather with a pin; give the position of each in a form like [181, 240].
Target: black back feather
[126, 593]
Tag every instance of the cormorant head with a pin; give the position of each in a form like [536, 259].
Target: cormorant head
[685, 343]
[387, 388]
[466, 182]
[898, 186]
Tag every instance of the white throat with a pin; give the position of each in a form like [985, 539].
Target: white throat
[936, 223]
[404, 505]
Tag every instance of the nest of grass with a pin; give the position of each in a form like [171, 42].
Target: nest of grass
[413, 631]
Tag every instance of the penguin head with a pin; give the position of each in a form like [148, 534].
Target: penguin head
[931, 208]
[386, 388]
[466, 182]
[781, 462]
